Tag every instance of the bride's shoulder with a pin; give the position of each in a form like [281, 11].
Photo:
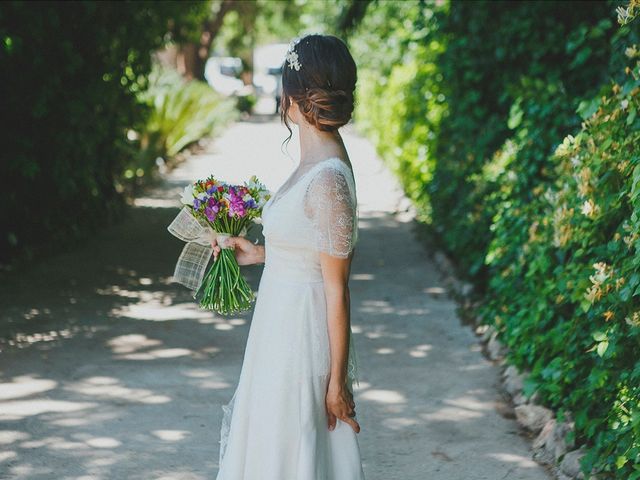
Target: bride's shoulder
[333, 178]
[331, 169]
[334, 166]
[343, 163]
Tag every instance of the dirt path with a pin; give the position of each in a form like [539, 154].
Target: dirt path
[109, 371]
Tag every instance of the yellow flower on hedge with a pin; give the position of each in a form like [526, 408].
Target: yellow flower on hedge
[603, 272]
[562, 228]
[629, 240]
[608, 315]
[593, 294]
[533, 232]
[584, 182]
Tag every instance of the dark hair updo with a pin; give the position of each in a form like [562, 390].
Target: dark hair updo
[323, 86]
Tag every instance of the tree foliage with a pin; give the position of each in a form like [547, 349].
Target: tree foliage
[69, 76]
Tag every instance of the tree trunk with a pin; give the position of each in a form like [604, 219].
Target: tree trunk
[193, 57]
[187, 62]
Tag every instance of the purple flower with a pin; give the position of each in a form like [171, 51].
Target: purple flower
[212, 208]
[196, 203]
[210, 213]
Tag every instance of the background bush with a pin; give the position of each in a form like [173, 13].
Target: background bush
[180, 112]
[399, 104]
[545, 223]
[70, 73]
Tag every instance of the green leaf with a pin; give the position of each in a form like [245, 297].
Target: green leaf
[587, 108]
[602, 348]
[621, 460]
[625, 293]
[632, 115]
[515, 115]
[635, 186]
[599, 336]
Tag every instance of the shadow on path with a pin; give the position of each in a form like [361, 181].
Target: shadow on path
[109, 371]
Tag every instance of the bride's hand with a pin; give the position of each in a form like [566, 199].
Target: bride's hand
[246, 253]
[339, 404]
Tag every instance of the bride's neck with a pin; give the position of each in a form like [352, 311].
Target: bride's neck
[316, 145]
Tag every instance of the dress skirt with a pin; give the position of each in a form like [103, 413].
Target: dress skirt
[275, 425]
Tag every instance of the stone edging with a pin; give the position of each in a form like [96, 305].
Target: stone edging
[550, 446]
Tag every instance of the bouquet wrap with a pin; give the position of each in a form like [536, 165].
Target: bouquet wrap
[195, 255]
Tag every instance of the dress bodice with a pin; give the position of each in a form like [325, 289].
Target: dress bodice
[318, 213]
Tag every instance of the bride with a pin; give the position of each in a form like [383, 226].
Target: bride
[292, 415]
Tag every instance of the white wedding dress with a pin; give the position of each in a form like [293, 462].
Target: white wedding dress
[275, 425]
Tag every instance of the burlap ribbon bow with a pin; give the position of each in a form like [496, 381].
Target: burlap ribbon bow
[195, 255]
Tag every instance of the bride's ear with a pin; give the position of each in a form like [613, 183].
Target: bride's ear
[294, 111]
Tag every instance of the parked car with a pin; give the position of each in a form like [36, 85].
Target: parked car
[222, 74]
[267, 70]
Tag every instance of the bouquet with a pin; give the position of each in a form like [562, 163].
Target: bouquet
[216, 209]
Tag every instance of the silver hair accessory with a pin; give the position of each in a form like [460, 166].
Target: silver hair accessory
[292, 56]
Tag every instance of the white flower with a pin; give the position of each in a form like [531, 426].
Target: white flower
[292, 58]
[624, 15]
[633, 320]
[262, 200]
[603, 272]
[187, 195]
[589, 208]
[599, 278]
[254, 184]
[575, 160]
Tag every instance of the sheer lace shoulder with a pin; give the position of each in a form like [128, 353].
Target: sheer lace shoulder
[330, 203]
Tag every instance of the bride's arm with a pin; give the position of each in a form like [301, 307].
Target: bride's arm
[330, 205]
[246, 253]
[339, 399]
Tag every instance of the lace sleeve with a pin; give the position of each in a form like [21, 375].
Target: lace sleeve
[330, 204]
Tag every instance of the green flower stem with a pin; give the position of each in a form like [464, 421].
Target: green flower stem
[224, 288]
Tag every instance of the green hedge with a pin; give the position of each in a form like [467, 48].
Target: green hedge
[511, 70]
[70, 74]
[548, 229]
[565, 294]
